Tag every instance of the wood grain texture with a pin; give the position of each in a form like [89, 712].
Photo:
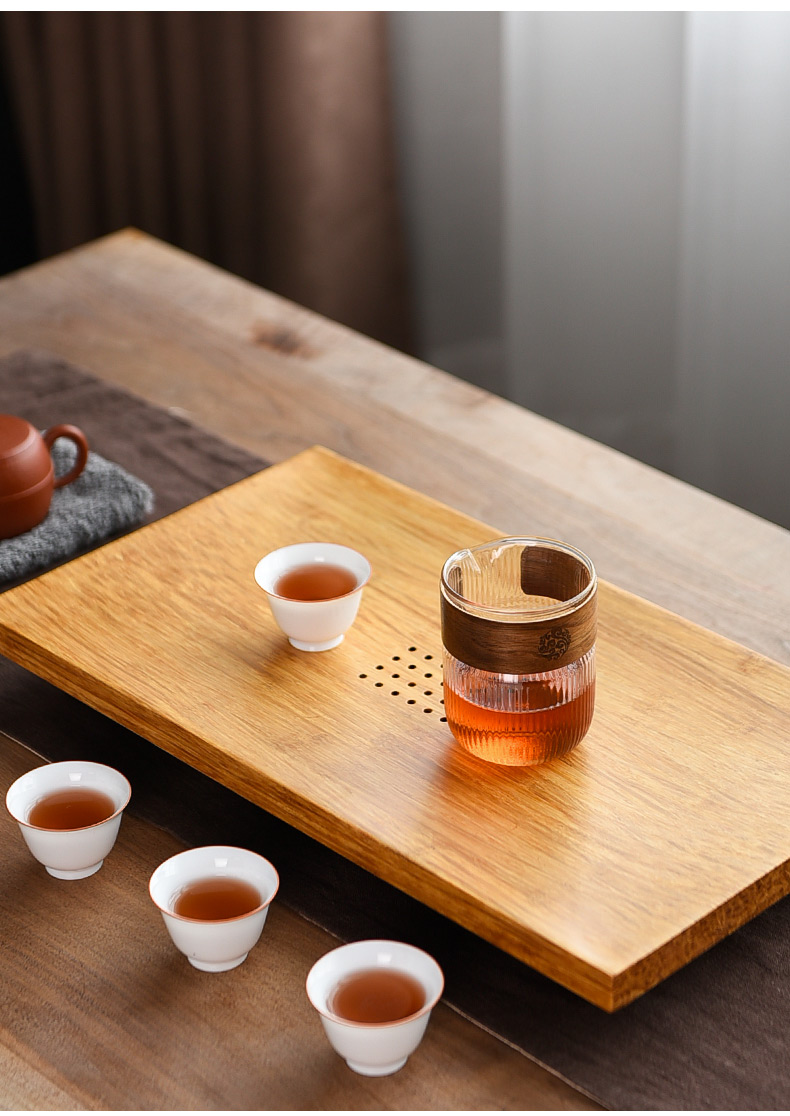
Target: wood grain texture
[606, 870]
[101, 1012]
[276, 379]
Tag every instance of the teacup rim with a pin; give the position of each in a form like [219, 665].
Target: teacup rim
[165, 910]
[70, 763]
[428, 1006]
[307, 544]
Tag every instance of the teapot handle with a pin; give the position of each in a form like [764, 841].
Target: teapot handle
[65, 430]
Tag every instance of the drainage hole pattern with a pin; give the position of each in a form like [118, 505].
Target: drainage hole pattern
[425, 681]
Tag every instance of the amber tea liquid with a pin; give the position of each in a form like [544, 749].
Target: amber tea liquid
[377, 996]
[315, 581]
[71, 808]
[216, 898]
[519, 720]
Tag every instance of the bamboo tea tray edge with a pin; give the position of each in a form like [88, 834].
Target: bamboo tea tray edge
[606, 870]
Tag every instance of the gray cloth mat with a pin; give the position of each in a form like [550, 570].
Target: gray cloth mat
[102, 502]
[714, 1036]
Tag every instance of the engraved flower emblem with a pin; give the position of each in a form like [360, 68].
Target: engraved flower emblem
[554, 643]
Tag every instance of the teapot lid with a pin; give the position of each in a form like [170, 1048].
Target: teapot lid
[16, 434]
[24, 457]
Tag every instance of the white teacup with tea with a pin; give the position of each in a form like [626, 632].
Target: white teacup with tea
[375, 999]
[69, 814]
[314, 591]
[214, 901]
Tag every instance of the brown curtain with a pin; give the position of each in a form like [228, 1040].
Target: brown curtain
[261, 141]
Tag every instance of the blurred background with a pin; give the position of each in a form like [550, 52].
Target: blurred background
[587, 213]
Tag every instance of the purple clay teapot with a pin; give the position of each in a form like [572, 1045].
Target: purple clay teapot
[27, 477]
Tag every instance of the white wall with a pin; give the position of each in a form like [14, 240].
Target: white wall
[592, 105]
[599, 214]
[734, 354]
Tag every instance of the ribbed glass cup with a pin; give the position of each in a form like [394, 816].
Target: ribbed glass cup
[524, 710]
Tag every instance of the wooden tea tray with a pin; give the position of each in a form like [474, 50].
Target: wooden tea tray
[606, 870]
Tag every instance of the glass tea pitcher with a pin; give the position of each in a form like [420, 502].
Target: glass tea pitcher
[519, 620]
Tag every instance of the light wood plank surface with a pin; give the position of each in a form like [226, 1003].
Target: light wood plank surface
[574, 867]
[99, 1011]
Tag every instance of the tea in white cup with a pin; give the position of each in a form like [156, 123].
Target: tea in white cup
[314, 591]
[375, 999]
[214, 902]
[69, 814]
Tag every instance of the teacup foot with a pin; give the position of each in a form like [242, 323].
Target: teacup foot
[376, 1071]
[216, 966]
[74, 873]
[300, 645]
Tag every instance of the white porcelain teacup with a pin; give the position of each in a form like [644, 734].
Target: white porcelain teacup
[214, 945]
[374, 1049]
[69, 853]
[313, 624]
